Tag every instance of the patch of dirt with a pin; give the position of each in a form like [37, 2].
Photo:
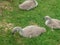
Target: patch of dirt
[6, 5]
[32, 23]
[9, 0]
[6, 26]
[0, 11]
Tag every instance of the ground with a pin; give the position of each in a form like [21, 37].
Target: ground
[11, 16]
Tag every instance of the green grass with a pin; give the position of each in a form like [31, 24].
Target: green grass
[24, 18]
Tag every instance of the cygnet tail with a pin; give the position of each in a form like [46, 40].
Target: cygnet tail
[43, 30]
[36, 3]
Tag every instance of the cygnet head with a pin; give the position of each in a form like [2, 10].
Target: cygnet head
[47, 18]
[16, 29]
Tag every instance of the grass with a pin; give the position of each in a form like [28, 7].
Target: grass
[18, 17]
